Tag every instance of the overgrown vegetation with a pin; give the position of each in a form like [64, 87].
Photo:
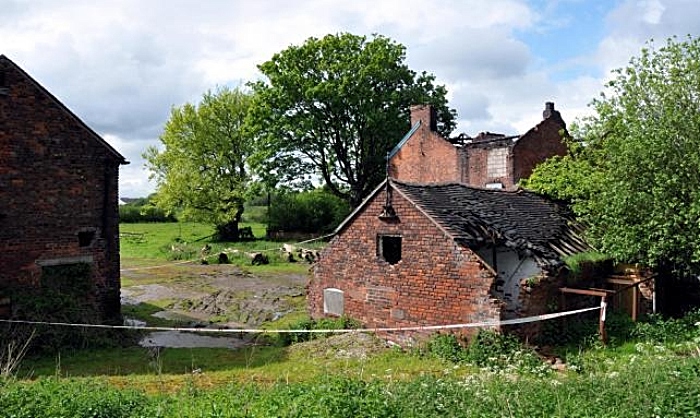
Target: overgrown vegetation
[314, 211]
[286, 339]
[488, 350]
[651, 368]
[590, 264]
[631, 172]
[143, 210]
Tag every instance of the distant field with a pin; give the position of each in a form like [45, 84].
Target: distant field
[145, 243]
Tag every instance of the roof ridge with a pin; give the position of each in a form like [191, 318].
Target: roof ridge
[69, 112]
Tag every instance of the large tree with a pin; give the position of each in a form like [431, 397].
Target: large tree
[333, 108]
[202, 169]
[633, 175]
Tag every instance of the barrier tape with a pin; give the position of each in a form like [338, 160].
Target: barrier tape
[535, 318]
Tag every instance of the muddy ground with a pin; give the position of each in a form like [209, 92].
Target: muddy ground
[209, 296]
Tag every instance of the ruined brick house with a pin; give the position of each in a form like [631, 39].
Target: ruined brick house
[448, 238]
[59, 230]
[431, 254]
[488, 160]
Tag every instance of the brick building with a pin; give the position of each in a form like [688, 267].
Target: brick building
[488, 160]
[430, 254]
[59, 231]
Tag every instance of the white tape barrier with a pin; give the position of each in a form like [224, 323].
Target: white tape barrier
[535, 318]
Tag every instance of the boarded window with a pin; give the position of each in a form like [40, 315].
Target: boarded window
[333, 301]
[496, 163]
[389, 248]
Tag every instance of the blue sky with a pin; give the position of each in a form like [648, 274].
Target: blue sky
[571, 29]
[121, 65]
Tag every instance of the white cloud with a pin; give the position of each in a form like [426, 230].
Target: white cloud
[121, 65]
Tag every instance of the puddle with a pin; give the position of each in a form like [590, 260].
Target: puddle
[176, 339]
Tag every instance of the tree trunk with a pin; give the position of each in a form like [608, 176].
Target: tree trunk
[227, 232]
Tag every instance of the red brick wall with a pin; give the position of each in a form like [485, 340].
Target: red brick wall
[56, 180]
[477, 170]
[426, 157]
[538, 144]
[436, 281]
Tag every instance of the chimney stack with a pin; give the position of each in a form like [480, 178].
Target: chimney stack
[548, 110]
[426, 114]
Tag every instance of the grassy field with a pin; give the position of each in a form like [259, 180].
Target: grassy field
[649, 369]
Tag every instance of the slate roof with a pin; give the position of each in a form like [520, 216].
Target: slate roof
[521, 220]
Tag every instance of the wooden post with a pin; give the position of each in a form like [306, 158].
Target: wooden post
[635, 296]
[601, 322]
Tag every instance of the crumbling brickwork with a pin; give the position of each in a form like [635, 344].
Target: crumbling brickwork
[487, 160]
[539, 143]
[58, 193]
[436, 282]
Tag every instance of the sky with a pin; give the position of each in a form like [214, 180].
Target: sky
[122, 65]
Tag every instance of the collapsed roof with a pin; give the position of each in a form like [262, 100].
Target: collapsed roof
[521, 220]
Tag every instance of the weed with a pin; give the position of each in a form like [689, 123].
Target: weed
[13, 349]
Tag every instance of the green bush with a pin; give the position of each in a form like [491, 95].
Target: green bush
[285, 339]
[446, 347]
[657, 329]
[313, 211]
[142, 210]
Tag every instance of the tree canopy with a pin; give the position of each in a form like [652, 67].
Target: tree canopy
[202, 170]
[633, 174]
[333, 108]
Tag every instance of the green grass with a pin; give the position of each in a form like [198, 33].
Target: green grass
[654, 372]
[649, 369]
[664, 387]
[152, 244]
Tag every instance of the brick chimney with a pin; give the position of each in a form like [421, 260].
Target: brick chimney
[549, 111]
[426, 114]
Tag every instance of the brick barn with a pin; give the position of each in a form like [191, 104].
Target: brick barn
[489, 160]
[416, 254]
[59, 230]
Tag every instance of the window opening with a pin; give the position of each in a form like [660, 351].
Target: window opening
[389, 248]
[85, 238]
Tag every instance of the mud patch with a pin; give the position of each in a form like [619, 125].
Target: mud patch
[247, 308]
[134, 295]
[213, 295]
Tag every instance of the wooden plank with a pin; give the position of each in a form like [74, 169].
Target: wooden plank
[632, 277]
[614, 280]
[587, 292]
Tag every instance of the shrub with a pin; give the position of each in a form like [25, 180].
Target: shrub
[313, 211]
[142, 210]
[657, 329]
[285, 339]
[446, 347]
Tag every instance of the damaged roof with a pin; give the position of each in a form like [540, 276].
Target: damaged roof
[521, 220]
